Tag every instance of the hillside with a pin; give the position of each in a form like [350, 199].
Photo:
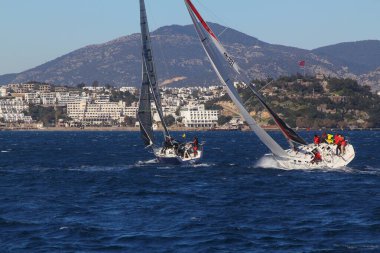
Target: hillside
[180, 60]
[360, 57]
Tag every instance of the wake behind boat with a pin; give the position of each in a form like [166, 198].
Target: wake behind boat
[300, 154]
[172, 152]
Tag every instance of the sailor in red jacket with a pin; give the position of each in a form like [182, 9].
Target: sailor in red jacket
[317, 140]
[195, 145]
[317, 156]
[338, 142]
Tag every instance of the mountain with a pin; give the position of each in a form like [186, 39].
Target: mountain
[180, 60]
[360, 57]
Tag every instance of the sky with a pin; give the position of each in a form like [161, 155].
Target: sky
[33, 32]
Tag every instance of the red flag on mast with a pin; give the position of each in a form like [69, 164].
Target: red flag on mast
[301, 63]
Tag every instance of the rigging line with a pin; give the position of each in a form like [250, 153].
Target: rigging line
[217, 17]
[159, 110]
[244, 73]
[266, 85]
[221, 33]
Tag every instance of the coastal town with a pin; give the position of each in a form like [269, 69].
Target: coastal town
[35, 105]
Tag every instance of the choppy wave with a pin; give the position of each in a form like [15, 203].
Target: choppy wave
[60, 194]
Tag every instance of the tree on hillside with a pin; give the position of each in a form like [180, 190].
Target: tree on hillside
[223, 120]
[81, 85]
[169, 120]
[95, 84]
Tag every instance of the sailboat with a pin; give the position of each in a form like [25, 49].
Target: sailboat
[172, 152]
[300, 154]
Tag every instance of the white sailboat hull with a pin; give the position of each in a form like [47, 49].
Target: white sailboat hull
[303, 158]
[169, 156]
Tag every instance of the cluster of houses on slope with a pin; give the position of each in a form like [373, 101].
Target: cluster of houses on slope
[92, 106]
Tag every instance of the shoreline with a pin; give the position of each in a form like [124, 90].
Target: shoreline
[174, 129]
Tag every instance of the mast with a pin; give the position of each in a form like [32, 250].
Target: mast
[148, 64]
[289, 133]
[219, 57]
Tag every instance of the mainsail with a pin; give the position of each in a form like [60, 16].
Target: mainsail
[144, 114]
[218, 56]
[149, 73]
[289, 133]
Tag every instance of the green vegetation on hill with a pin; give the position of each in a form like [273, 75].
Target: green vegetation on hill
[47, 114]
[126, 97]
[308, 102]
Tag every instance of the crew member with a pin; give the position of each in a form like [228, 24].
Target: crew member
[167, 144]
[338, 143]
[324, 137]
[195, 145]
[330, 139]
[317, 140]
[317, 156]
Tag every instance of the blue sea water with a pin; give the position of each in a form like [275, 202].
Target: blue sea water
[103, 192]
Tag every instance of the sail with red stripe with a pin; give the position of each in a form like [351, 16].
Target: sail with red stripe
[217, 56]
[289, 133]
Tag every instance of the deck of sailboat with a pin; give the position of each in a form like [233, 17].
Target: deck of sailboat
[170, 156]
[303, 156]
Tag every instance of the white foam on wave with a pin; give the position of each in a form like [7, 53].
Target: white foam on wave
[101, 168]
[267, 162]
[148, 162]
[165, 167]
[5, 151]
[369, 170]
[199, 165]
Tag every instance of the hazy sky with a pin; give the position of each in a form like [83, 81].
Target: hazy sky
[33, 32]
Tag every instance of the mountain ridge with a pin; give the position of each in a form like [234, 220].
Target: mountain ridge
[178, 53]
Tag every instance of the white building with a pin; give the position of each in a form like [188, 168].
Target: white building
[131, 111]
[197, 116]
[11, 110]
[3, 91]
[96, 113]
[130, 89]
[63, 98]
[48, 98]
[102, 98]
[32, 98]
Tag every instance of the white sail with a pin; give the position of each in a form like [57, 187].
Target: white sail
[218, 56]
[286, 130]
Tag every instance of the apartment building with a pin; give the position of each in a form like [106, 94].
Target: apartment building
[96, 113]
[11, 110]
[197, 116]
